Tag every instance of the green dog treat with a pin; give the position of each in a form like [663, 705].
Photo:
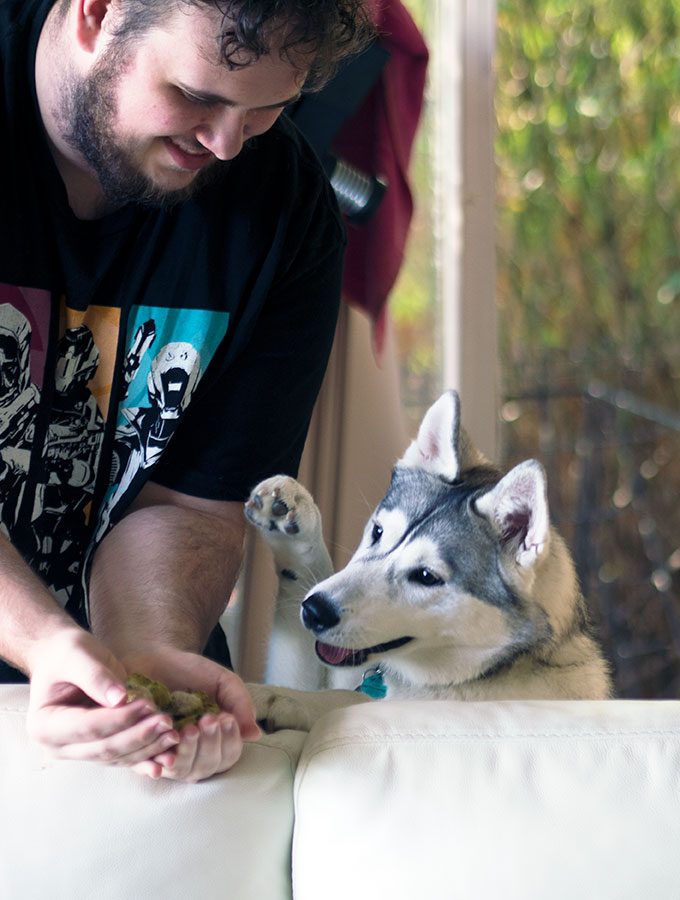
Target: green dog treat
[139, 685]
[185, 707]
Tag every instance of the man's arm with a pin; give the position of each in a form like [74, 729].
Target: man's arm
[160, 580]
[28, 612]
[70, 671]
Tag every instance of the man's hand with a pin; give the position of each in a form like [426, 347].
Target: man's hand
[160, 580]
[77, 706]
[216, 743]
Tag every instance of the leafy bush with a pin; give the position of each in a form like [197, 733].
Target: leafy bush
[588, 177]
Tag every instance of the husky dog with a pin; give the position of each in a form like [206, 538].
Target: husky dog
[460, 589]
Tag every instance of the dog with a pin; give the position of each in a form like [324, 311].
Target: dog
[460, 589]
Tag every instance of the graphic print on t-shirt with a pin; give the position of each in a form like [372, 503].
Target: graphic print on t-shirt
[84, 366]
[53, 422]
[24, 330]
[167, 352]
[49, 464]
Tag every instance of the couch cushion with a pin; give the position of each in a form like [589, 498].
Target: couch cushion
[78, 830]
[514, 800]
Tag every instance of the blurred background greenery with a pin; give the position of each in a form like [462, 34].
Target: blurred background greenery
[588, 233]
[414, 303]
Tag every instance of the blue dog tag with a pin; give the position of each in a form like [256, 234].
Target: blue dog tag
[372, 683]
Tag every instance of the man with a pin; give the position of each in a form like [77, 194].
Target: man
[169, 241]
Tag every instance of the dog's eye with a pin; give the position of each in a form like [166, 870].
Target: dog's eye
[376, 534]
[425, 577]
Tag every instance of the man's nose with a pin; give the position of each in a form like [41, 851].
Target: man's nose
[224, 133]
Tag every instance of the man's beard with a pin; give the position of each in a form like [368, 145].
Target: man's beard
[88, 110]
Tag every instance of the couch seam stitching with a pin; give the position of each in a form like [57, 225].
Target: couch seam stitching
[488, 736]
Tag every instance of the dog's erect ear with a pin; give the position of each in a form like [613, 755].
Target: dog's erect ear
[442, 446]
[517, 509]
[435, 448]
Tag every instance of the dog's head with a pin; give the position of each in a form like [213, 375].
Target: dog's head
[446, 569]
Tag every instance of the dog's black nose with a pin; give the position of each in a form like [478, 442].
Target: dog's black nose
[318, 613]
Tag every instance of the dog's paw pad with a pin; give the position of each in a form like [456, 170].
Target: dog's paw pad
[280, 505]
[291, 526]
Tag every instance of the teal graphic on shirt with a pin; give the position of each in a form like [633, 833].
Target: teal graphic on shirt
[167, 353]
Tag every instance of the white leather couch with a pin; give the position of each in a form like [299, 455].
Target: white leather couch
[405, 800]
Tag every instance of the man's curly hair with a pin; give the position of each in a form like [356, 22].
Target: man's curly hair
[327, 30]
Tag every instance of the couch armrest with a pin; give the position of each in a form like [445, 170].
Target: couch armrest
[79, 830]
[519, 800]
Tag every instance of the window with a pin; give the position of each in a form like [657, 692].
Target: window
[444, 302]
[587, 151]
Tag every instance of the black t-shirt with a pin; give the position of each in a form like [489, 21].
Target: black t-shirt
[185, 345]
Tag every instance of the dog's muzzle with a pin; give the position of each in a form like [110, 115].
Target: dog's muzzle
[318, 615]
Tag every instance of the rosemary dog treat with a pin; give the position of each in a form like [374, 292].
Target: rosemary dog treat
[185, 707]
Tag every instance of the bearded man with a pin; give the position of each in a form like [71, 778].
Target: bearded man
[148, 176]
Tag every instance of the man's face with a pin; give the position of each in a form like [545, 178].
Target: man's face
[150, 119]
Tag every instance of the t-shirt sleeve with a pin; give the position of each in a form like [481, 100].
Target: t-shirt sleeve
[252, 420]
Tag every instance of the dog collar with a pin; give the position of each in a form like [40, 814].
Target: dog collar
[373, 683]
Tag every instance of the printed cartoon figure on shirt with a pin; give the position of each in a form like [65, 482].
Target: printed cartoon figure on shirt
[167, 352]
[70, 457]
[48, 456]
[144, 338]
[175, 371]
[19, 399]
[173, 375]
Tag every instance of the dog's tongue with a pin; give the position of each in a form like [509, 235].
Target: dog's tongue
[332, 655]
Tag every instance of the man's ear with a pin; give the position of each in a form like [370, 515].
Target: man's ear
[517, 509]
[90, 18]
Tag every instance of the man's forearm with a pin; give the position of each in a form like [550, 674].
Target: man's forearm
[163, 575]
[28, 612]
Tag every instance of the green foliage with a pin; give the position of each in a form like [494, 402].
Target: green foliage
[413, 301]
[420, 11]
[588, 177]
[588, 156]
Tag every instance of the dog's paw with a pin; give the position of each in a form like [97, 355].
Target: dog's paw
[279, 708]
[282, 506]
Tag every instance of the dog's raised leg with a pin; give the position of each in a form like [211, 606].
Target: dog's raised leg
[290, 522]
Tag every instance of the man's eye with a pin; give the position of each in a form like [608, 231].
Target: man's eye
[194, 100]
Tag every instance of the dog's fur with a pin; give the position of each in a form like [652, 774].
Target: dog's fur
[460, 588]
